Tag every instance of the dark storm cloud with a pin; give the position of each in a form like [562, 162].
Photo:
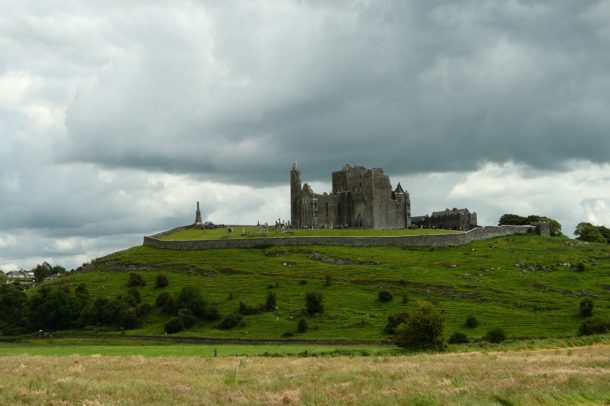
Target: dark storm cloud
[237, 93]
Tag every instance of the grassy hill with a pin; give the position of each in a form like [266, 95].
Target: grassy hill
[525, 284]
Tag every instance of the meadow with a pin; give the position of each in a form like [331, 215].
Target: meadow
[527, 285]
[533, 377]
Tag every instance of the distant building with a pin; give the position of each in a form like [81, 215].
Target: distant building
[455, 219]
[20, 275]
[361, 197]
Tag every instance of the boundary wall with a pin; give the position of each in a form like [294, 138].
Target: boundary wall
[430, 240]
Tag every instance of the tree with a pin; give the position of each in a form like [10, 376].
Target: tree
[495, 335]
[270, 302]
[42, 271]
[13, 310]
[302, 326]
[135, 279]
[512, 219]
[54, 309]
[588, 232]
[423, 329]
[161, 281]
[586, 307]
[174, 326]
[313, 303]
[187, 317]
[384, 296]
[190, 298]
[395, 320]
[471, 321]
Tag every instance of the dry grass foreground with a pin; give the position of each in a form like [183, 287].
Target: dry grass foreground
[556, 376]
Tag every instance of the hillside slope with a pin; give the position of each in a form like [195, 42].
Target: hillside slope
[527, 285]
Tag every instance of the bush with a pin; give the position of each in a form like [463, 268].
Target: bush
[495, 335]
[187, 317]
[580, 267]
[313, 303]
[190, 298]
[385, 296]
[303, 282]
[594, 325]
[174, 326]
[395, 320]
[586, 307]
[287, 334]
[328, 280]
[144, 310]
[212, 313]
[231, 320]
[135, 279]
[166, 302]
[471, 321]
[302, 326]
[423, 329]
[458, 338]
[161, 281]
[133, 296]
[247, 310]
[270, 303]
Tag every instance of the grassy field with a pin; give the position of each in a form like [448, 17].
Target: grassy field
[271, 232]
[536, 377]
[522, 284]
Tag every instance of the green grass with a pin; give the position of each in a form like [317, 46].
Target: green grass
[538, 298]
[271, 232]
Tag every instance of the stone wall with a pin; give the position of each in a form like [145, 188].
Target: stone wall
[436, 240]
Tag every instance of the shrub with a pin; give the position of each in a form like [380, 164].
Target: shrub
[594, 325]
[586, 307]
[303, 282]
[190, 298]
[187, 317]
[313, 303]
[174, 325]
[161, 281]
[471, 321]
[166, 302]
[495, 335]
[302, 326]
[270, 302]
[231, 320]
[580, 267]
[395, 320]
[385, 296]
[143, 310]
[135, 279]
[287, 334]
[328, 280]
[212, 313]
[423, 329]
[458, 338]
[133, 296]
[247, 310]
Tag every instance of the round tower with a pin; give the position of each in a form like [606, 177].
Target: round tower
[295, 195]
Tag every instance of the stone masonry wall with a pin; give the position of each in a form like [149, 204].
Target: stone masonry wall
[436, 240]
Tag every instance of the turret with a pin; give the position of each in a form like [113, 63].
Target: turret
[295, 195]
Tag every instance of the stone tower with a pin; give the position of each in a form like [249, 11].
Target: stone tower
[198, 216]
[295, 195]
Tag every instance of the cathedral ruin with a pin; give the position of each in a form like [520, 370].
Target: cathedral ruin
[360, 197]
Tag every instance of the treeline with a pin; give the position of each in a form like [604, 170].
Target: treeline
[63, 308]
[590, 233]
[517, 220]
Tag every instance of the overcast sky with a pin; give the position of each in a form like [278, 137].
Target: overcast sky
[116, 117]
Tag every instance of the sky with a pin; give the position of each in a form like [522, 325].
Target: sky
[116, 117]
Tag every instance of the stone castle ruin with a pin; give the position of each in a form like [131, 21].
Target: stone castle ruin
[360, 197]
[455, 219]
